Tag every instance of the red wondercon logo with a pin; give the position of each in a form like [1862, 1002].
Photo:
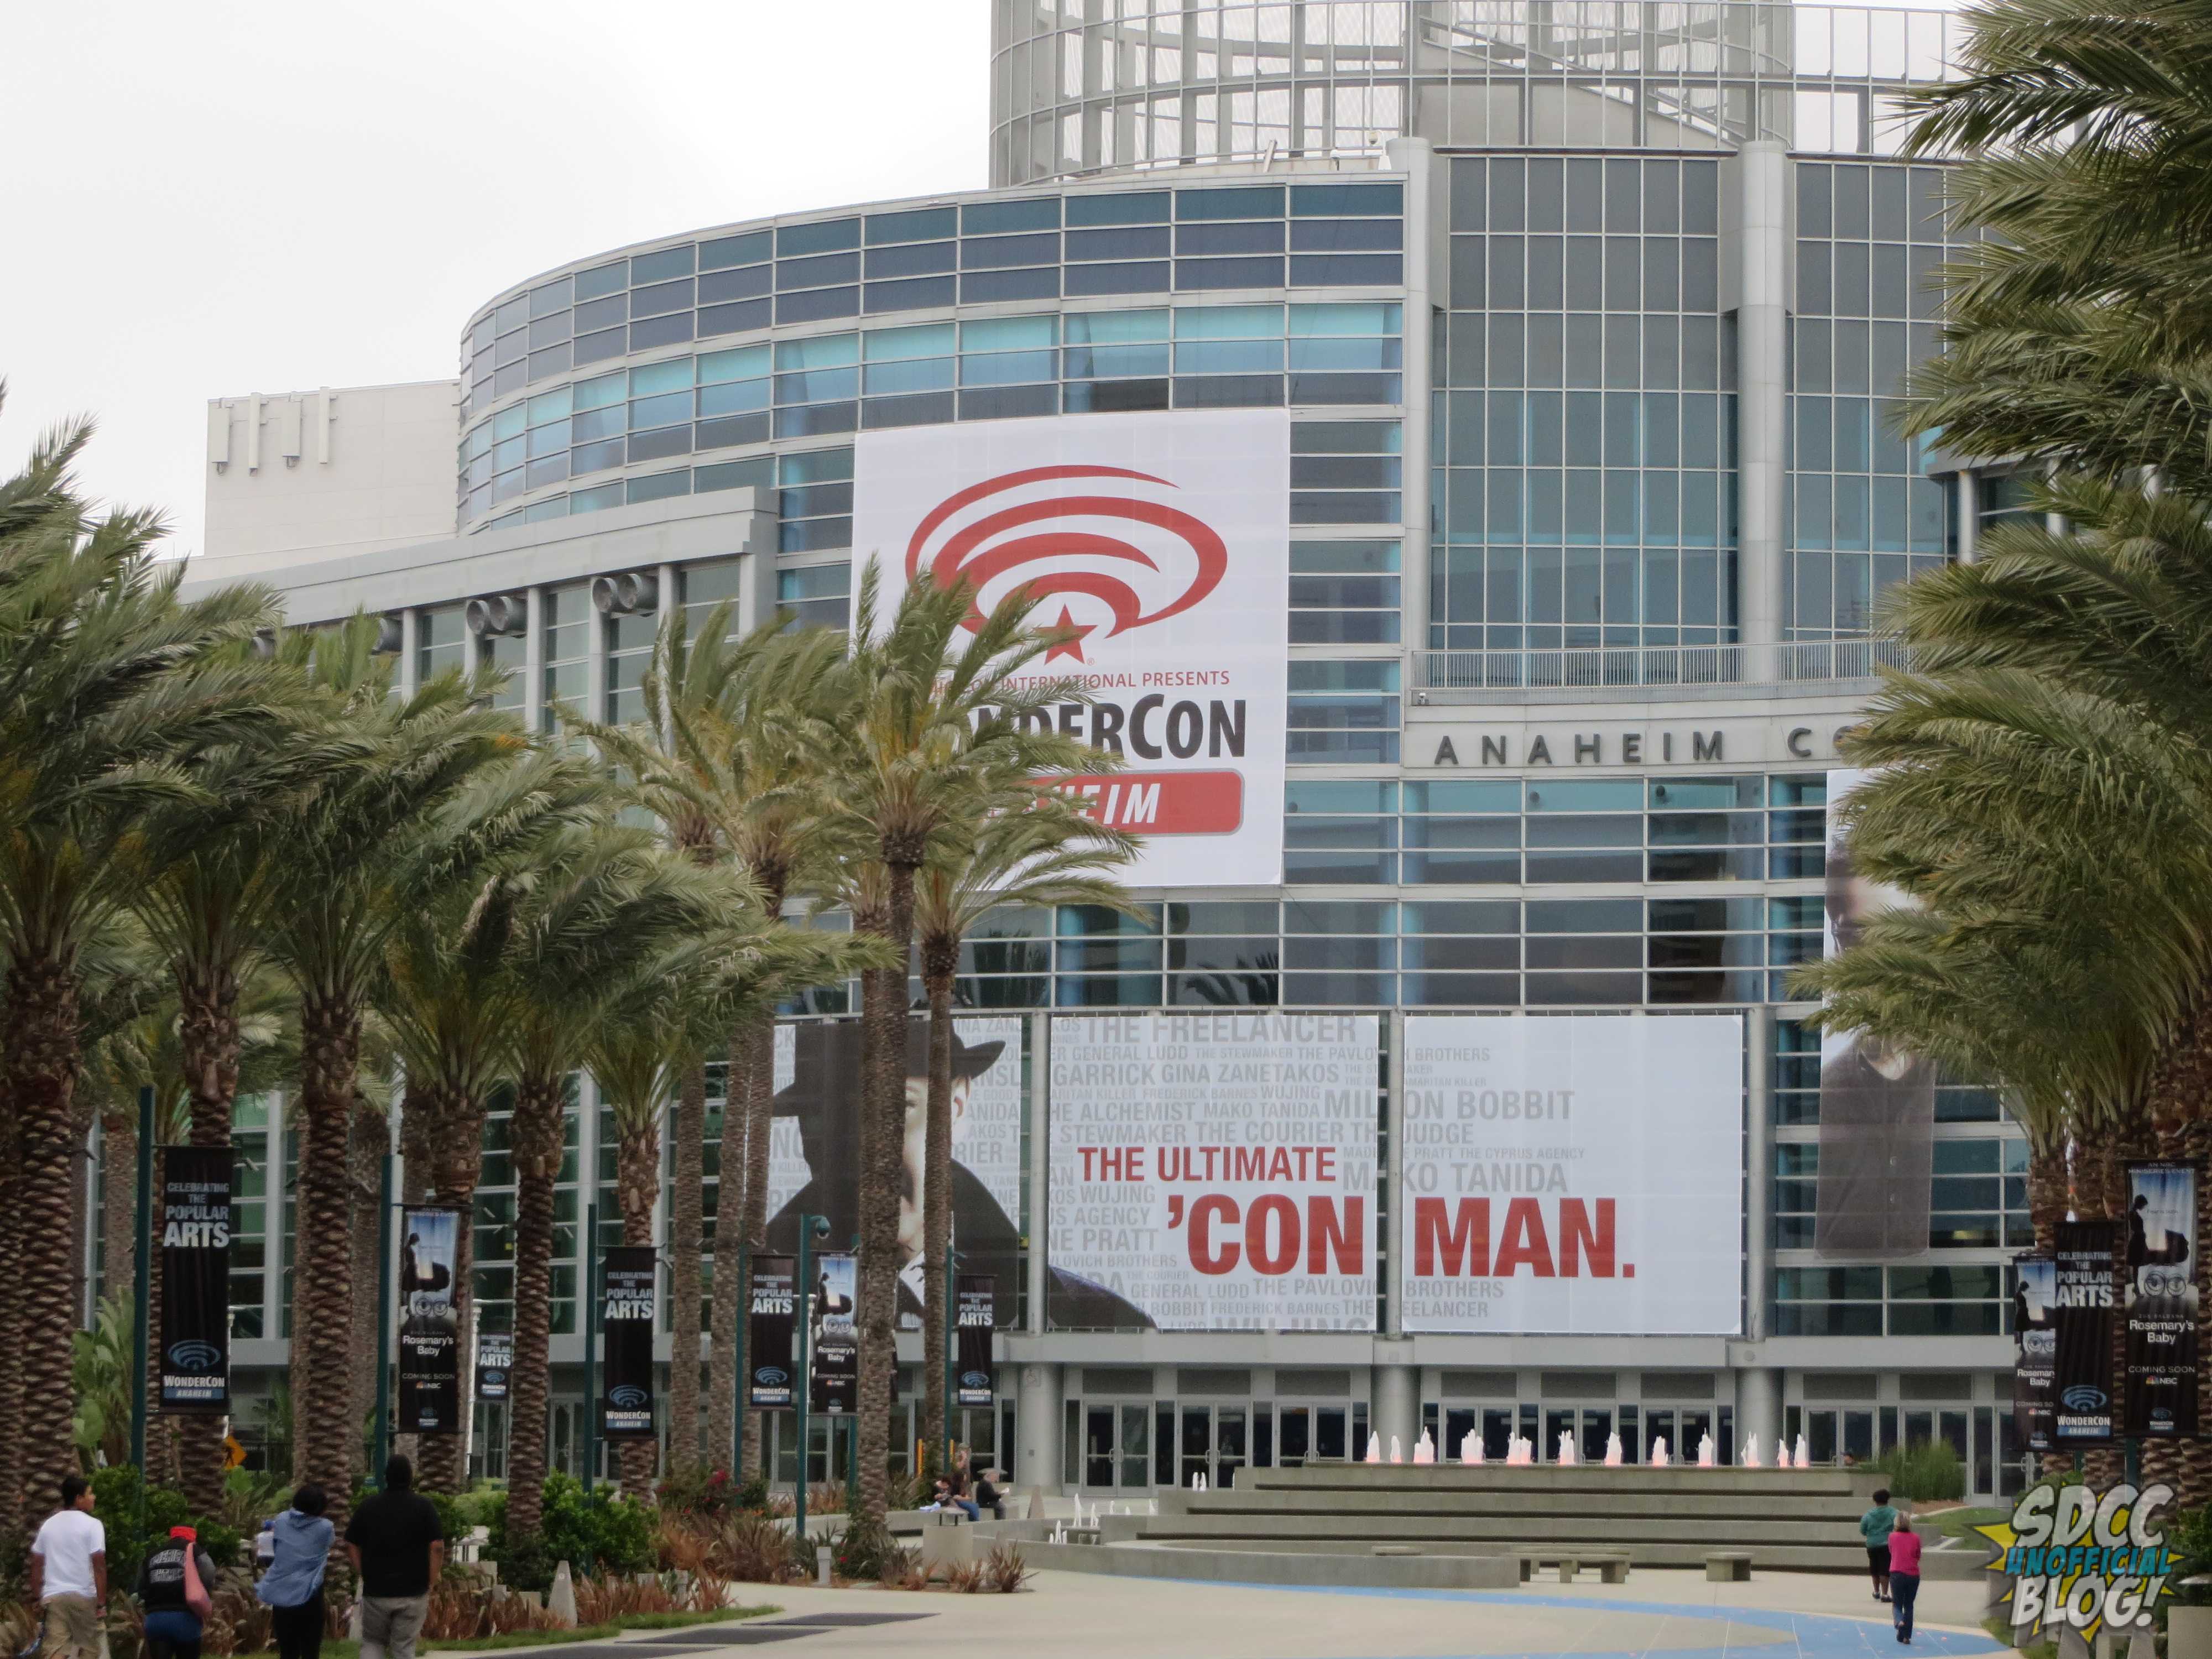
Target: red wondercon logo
[1107, 541]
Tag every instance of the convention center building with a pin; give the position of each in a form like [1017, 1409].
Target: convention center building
[1457, 437]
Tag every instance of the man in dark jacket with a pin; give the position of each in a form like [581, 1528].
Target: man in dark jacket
[397, 1547]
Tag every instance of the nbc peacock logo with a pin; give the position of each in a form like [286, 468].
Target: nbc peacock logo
[1110, 548]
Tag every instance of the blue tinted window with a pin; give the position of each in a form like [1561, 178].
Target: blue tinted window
[824, 236]
[988, 218]
[659, 267]
[1241, 202]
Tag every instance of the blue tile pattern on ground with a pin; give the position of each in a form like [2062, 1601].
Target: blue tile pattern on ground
[1804, 1635]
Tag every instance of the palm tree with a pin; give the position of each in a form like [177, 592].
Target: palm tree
[927, 716]
[375, 842]
[1017, 844]
[449, 1001]
[732, 762]
[2077, 328]
[106, 682]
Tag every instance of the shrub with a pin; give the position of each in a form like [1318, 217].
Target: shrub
[865, 1551]
[1924, 1472]
[1006, 1571]
[760, 1550]
[692, 1489]
[116, 1493]
[594, 1534]
[753, 1495]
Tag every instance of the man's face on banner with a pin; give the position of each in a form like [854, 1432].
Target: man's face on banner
[915, 1157]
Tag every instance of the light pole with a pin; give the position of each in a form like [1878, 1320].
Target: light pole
[810, 1227]
[952, 1319]
[591, 1436]
[383, 1325]
[741, 1382]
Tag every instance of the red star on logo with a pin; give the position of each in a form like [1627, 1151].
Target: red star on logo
[1071, 644]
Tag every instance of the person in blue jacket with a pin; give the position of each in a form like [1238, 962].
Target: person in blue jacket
[291, 1588]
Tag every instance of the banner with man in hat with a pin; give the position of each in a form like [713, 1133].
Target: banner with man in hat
[814, 1160]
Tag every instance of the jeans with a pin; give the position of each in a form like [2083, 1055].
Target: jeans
[1903, 1588]
[299, 1630]
[172, 1633]
[392, 1623]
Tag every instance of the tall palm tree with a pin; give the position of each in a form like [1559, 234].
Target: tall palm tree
[1016, 844]
[449, 1001]
[2077, 330]
[929, 713]
[378, 840]
[732, 762]
[106, 682]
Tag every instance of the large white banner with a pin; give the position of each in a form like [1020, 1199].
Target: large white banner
[1214, 1172]
[1578, 1175]
[1161, 544]
[814, 1155]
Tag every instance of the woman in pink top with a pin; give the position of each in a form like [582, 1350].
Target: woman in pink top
[1904, 1576]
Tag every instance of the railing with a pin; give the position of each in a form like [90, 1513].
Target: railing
[1481, 676]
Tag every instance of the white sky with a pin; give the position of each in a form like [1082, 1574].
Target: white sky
[204, 200]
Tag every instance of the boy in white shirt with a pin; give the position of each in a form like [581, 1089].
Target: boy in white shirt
[69, 1573]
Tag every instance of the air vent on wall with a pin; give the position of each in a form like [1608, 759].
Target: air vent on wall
[500, 613]
[631, 593]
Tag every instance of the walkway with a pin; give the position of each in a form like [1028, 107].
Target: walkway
[1085, 1616]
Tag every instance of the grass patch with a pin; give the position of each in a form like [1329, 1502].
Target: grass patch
[542, 1638]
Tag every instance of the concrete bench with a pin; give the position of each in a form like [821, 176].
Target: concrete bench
[1611, 1566]
[1727, 1567]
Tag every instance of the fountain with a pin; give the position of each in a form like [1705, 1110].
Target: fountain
[1470, 1447]
[1706, 1453]
[1613, 1451]
[1750, 1459]
[1782, 1454]
[1518, 1452]
[1375, 1449]
[1804, 1454]
[1396, 1456]
[1425, 1449]
[1659, 1452]
[1566, 1457]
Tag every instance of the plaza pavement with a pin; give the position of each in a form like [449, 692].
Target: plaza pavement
[1065, 1615]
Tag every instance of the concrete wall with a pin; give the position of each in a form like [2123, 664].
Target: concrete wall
[298, 476]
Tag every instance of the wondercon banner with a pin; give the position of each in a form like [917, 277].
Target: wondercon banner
[629, 1275]
[2035, 1349]
[2085, 1560]
[196, 1279]
[1576, 1175]
[2081, 1299]
[977, 1315]
[1214, 1172]
[495, 1363]
[2161, 1301]
[814, 1166]
[1159, 544]
[769, 1324]
[835, 1358]
[429, 1324]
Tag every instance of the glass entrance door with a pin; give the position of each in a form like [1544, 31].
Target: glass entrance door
[1117, 1446]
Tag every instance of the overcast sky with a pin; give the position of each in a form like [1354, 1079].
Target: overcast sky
[206, 200]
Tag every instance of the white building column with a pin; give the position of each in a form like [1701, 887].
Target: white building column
[533, 664]
[1966, 502]
[1758, 1175]
[1037, 1428]
[410, 637]
[1758, 1409]
[1036, 1223]
[1397, 1410]
[1758, 270]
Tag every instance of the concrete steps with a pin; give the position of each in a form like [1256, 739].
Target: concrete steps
[1786, 1519]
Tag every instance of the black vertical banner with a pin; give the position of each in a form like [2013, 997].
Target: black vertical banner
[977, 1317]
[769, 1325]
[429, 1324]
[628, 1279]
[836, 1359]
[494, 1360]
[2035, 1347]
[2081, 1302]
[2159, 1393]
[196, 1279]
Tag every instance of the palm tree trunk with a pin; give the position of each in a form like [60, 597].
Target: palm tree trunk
[725, 1308]
[760, 1118]
[12, 1495]
[940, 958]
[442, 1464]
[367, 1145]
[535, 1140]
[686, 1193]
[883, 1135]
[43, 1054]
[208, 1038]
[119, 1202]
[637, 1180]
[322, 1314]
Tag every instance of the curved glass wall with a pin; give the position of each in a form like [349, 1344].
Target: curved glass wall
[1091, 86]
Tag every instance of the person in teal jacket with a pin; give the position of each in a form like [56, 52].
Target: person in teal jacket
[1875, 1527]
